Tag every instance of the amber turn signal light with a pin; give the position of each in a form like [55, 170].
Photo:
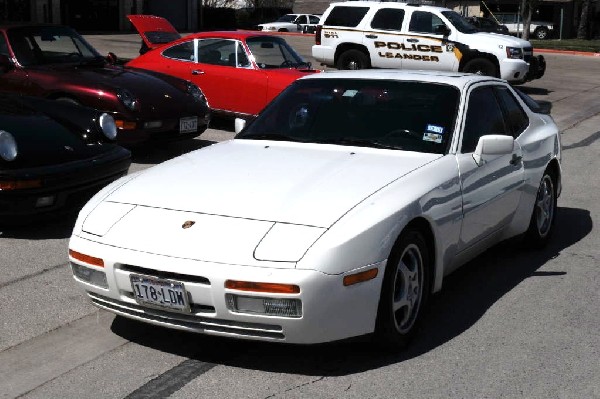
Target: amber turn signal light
[19, 184]
[352, 279]
[274, 288]
[86, 258]
[125, 125]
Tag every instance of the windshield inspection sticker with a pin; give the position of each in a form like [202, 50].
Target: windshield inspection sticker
[434, 137]
[350, 93]
[435, 129]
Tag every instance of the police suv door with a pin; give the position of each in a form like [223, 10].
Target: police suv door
[383, 38]
[424, 44]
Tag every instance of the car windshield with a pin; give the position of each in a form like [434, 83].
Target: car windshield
[287, 18]
[43, 45]
[274, 52]
[400, 115]
[460, 22]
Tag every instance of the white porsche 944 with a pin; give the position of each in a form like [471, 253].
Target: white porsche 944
[334, 214]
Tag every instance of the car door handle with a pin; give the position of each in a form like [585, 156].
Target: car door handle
[371, 36]
[197, 72]
[516, 159]
[412, 40]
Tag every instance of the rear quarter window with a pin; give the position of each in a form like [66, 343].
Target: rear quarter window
[346, 16]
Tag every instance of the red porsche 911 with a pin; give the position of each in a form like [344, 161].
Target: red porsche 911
[239, 72]
[55, 62]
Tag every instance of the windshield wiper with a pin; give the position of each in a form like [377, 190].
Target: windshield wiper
[360, 143]
[270, 136]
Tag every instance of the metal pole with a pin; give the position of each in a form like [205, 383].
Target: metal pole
[562, 17]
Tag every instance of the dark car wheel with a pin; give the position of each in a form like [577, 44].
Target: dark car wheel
[541, 224]
[541, 33]
[405, 291]
[353, 59]
[481, 66]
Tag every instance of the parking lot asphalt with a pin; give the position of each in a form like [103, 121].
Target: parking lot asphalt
[510, 324]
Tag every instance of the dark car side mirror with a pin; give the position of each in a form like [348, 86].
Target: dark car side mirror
[111, 58]
[5, 63]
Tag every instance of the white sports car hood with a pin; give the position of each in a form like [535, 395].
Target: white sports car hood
[304, 184]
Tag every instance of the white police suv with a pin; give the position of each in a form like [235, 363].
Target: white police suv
[363, 34]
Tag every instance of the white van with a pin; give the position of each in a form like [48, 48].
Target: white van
[363, 34]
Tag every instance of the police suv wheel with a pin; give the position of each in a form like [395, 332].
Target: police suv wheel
[481, 66]
[353, 59]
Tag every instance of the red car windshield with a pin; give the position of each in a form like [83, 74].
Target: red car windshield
[273, 52]
[44, 45]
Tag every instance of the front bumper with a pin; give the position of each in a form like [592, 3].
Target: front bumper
[70, 185]
[537, 68]
[168, 130]
[330, 310]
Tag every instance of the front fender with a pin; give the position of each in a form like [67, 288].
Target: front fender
[366, 234]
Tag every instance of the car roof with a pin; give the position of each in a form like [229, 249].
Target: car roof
[387, 4]
[457, 79]
[237, 34]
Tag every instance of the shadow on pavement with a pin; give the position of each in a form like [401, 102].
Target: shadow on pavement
[53, 226]
[539, 91]
[466, 296]
[157, 153]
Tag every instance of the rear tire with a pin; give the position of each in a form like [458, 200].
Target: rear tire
[481, 66]
[541, 33]
[406, 286]
[353, 59]
[541, 224]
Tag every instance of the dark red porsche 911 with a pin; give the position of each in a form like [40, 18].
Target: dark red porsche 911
[55, 62]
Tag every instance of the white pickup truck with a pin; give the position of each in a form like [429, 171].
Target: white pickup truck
[363, 34]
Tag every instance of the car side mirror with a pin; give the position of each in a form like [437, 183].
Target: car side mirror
[240, 124]
[5, 63]
[492, 146]
[111, 58]
[442, 30]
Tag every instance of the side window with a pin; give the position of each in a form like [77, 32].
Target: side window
[388, 19]
[424, 22]
[182, 52]
[346, 16]
[313, 20]
[517, 119]
[484, 117]
[223, 52]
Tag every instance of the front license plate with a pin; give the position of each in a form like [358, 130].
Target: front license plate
[156, 292]
[187, 125]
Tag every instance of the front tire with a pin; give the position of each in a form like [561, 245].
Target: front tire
[405, 290]
[353, 59]
[481, 66]
[541, 224]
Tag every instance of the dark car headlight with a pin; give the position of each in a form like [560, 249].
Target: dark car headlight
[196, 93]
[108, 126]
[8, 146]
[128, 99]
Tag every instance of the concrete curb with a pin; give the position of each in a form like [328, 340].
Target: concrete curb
[566, 52]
